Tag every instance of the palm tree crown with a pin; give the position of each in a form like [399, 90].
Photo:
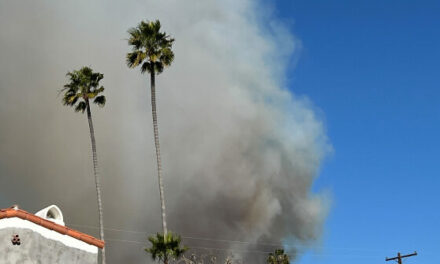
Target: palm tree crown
[279, 257]
[165, 249]
[150, 47]
[83, 86]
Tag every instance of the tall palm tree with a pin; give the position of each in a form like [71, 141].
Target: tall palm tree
[165, 248]
[83, 86]
[151, 49]
[278, 257]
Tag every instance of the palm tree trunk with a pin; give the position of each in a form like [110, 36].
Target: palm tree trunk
[97, 183]
[156, 142]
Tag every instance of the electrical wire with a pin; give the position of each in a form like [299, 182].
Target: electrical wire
[231, 241]
[247, 251]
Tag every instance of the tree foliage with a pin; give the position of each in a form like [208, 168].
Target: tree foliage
[278, 257]
[166, 248]
[150, 48]
[83, 86]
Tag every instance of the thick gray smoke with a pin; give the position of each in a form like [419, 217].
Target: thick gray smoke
[240, 152]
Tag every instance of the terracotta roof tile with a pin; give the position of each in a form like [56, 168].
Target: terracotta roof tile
[10, 212]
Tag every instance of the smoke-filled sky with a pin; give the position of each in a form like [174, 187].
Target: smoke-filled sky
[240, 151]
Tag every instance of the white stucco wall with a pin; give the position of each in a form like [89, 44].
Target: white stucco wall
[68, 241]
[34, 248]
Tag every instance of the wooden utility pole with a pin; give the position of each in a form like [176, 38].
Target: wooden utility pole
[400, 257]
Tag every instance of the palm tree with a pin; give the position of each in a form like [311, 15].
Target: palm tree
[151, 49]
[165, 248]
[83, 86]
[279, 257]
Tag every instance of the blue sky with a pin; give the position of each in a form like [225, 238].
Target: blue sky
[372, 68]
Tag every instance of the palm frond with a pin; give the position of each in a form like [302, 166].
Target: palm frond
[135, 38]
[135, 58]
[81, 107]
[167, 56]
[146, 67]
[155, 26]
[95, 77]
[158, 67]
[100, 100]
[70, 97]
[70, 100]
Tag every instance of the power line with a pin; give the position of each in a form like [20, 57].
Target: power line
[187, 237]
[242, 250]
[237, 241]
[227, 240]
[191, 247]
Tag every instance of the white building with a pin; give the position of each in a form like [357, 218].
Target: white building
[43, 238]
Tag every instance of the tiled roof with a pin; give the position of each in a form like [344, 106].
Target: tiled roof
[11, 212]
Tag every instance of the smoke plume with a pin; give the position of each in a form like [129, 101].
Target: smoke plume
[240, 152]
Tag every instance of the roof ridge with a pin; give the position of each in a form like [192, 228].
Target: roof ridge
[10, 212]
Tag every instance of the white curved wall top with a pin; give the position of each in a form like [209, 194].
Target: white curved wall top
[52, 213]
